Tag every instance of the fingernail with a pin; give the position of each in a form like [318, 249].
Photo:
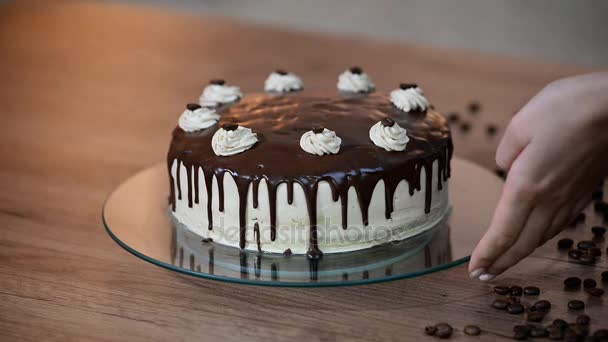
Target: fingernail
[486, 277]
[476, 273]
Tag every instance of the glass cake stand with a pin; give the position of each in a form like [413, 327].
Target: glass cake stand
[136, 216]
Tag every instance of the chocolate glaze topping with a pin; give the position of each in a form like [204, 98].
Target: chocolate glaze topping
[230, 126]
[193, 106]
[281, 72]
[318, 129]
[387, 122]
[356, 70]
[406, 86]
[217, 81]
[280, 121]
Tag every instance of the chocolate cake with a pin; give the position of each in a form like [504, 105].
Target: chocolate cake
[313, 174]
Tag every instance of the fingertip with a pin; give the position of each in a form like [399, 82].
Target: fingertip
[474, 274]
[487, 277]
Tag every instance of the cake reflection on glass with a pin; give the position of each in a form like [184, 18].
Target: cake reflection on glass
[311, 174]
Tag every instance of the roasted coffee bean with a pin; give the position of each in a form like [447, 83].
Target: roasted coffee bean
[595, 292]
[583, 320]
[576, 332]
[600, 207]
[542, 305]
[596, 251]
[491, 129]
[474, 107]
[531, 291]
[516, 291]
[605, 276]
[556, 333]
[576, 305]
[598, 230]
[453, 117]
[515, 309]
[589, 283]
[536, 316]
[500, 304]
[597, 195]
[587, 259]
[430, 330]
[465, 127]
[560, 323]
[502, 290]
[539, 332]
[472, 330]
[574, 254]
[565, 243]
[444, 330]
[581, 217]
[584, 245]
[520, 335]
[572, 283]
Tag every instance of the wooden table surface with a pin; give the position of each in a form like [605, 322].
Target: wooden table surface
[89, 93]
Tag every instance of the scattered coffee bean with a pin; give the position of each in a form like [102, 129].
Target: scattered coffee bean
[597, 195]
[516, 291]
[601, 334]
[581, 217]
[583, 320]
[531, 291]
[584, 245]
[472, 330]
[572, 283]
[589, 283]
[500, 304]
[430, 330]
[536, 316]
[574, 254]
[542, 305]
[605, 276]
[565, 243]
[595, 251]
[491, 129]
[474, 107]
[587, 259]
[560, 323]
[576, 305]
[515, 309]
[598, 230]
[502, 290]
[539, 332]
[444, 330]
[595, 292]
[453, 117]
[556, 333]
[600, 207]
[465, 127]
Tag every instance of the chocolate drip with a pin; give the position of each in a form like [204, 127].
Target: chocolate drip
[191, 261]
[243, 262]
[278, 158]
[274, 271]
[179, 182]
[196, 185]
[256, 236]
[257, 266]
[189, 179]
[211, 261]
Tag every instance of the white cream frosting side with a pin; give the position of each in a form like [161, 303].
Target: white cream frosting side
[231, 142]
[408, 217]
[326, 142]
[217, 94]
[197, 119]
[358, 82]
[409, 99]
[390, 138]
[283, 82]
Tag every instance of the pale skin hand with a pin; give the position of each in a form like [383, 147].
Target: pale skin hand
[556, 151]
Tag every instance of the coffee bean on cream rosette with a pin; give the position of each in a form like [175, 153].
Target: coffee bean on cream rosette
[195, 118]
[354, 80]
[232, 139]
[320, 141]
[281, 81]
[388, 135]
[409, 97]
[217, 92]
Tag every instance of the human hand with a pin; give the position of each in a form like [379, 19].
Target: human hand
[556, 151]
